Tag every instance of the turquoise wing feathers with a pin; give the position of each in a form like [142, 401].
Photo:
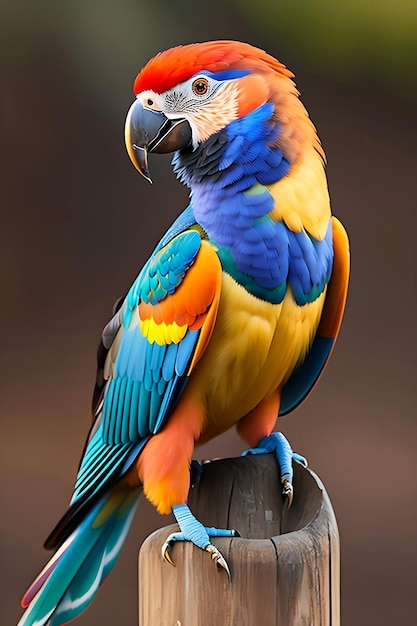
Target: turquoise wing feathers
[151, 357]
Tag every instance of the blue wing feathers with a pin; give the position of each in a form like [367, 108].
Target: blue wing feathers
[109, 425]
[118, 422]
[310, 264]
[155, 406]
[127, 410]
[133, 399]
[304, 377]
[185, 351]
[133, 421]
[137, 364]
[168, 366]
[98, 466]
[144, 362]
[144, 417]
[148, 379]
[130, 360]
[168, 266]
[158, 355]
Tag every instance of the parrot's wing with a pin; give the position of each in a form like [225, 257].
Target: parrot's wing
[308, 372]
[183, 222]
[167, 320]
[157, 337]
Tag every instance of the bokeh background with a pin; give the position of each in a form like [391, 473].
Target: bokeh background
[78, 222]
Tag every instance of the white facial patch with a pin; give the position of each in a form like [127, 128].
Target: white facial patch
[206, 112]
[208, 118]
[151, 100]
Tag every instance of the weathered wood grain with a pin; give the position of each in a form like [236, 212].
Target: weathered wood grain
[285, 565]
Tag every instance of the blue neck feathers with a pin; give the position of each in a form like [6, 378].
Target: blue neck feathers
[228, 175]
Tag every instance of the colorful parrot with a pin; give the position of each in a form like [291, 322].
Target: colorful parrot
[229, 323]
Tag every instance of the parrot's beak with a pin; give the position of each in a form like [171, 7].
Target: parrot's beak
[147, 130]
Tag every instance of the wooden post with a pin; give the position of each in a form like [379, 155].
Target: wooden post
[284, 567]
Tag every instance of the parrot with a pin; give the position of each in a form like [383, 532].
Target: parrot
[230, 322]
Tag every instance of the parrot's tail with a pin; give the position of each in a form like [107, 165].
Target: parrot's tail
[70, 580]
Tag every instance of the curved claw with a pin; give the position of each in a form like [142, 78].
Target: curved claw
[214, 552]
[192, 530]
[298, 458]
[277, 443]
[166, 555]
[166, 548]
[287, 492]
[218, 558]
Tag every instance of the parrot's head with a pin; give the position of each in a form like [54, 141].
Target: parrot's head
[187, 94]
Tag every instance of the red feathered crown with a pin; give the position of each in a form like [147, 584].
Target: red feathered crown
[175, 65]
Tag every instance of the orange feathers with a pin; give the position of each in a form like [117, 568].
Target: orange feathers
[189, 304]
[331, 319]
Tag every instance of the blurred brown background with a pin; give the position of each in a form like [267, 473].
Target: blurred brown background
[78, 222]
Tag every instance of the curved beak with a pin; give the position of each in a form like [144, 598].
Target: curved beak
[147, 130]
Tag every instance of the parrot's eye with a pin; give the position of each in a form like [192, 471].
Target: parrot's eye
[149, 102]
[200, 86]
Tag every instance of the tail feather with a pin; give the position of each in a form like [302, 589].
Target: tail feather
[45, 573]
[70, 580]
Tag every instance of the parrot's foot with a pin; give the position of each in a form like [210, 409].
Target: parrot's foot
[278, 444]
[192, 530]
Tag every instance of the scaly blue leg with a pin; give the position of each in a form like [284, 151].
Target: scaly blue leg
[192, 530]
[279, 445]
